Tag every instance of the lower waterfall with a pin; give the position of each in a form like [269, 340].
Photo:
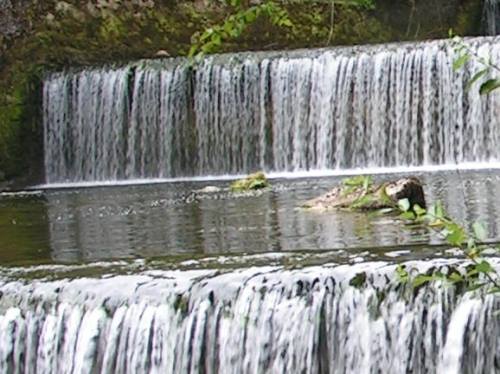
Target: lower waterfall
[320, 319]
[354, 107]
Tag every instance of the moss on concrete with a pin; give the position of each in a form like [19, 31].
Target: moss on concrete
[252, 182]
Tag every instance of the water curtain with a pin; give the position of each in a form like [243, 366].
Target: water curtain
[356, 107]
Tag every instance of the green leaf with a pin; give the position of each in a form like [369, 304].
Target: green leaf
[419, 211]
[404, 205]
[476, 286]
[409, 215]
[250, 16]
[484, 267]
[402, 273]
[358, 181]
[363, 202]
[193, 50]
[488, 86]
[228, 28]
[207, 34]
[480, 231]
[439, 210]
[471, 244]
[456, 277]
[495, 289]
[422, 279]
[216, 39]
[455, 235]
[286, 23]
[472, 272]
[367, 181]
[476, 77]
[460, 61]
[258, 184]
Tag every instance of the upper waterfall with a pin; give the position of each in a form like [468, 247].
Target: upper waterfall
[491, 17]
[354, 107]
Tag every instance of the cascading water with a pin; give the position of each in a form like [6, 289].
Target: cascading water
[328, 319]
[491, 17]
[360, 107]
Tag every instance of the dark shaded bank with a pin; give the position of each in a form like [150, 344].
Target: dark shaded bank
[36, 37]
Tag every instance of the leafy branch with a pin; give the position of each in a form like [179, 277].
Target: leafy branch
[212, 39]
[465, 54]
[481, 273]
[470, 244]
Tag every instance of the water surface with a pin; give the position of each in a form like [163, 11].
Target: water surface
[167, 220]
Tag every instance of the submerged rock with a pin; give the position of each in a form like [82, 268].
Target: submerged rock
[360, 193]
[209, 189]
[252, 182]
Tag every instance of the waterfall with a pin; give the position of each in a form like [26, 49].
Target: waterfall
[356, 107]
[491, 17]
[326, 319]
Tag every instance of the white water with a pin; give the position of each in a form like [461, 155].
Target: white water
[491, 17]
[467, 166]
[387, 106]
[256, 320]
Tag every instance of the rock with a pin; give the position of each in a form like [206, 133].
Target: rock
[162, 54]
[209, 189]
[367, 196]
[190, 197]
[252, 182]
[406, 188]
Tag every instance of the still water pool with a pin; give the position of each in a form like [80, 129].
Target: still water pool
[76, 225]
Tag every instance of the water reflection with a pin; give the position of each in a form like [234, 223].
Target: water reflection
[24, 232]
[149, 221]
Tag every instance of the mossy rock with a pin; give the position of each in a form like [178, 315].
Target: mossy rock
[256, 181]
[359, 193]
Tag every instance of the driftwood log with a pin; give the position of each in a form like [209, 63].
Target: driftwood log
[376, 196]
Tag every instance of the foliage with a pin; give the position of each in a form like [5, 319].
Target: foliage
[353, 184]
[252, 182]
[212, 39]
[480, 274]
[112, 30]
[435, 218]
[484, 76]
[361, 193]
[20, 104]
[233, 26]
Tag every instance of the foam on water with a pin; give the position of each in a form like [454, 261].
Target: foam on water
[468, 166]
